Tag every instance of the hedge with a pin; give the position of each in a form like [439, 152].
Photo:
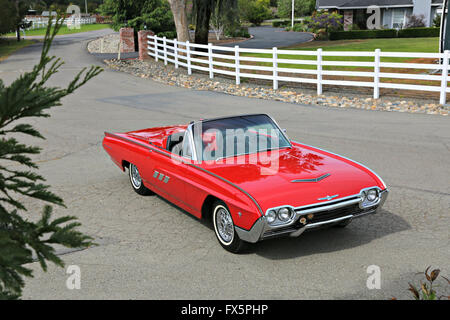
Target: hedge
[363, 34]
[419, 33]
[281, 23]
[385, 33]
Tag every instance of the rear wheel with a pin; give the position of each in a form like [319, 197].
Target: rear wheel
[136, 181]
[224, 228]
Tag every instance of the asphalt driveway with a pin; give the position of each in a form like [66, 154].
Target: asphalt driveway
[269, 37]
[151, 249]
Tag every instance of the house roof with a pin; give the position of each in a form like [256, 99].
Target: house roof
[323, 4]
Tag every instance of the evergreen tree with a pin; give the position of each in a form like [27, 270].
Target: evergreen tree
[302, 8]
[20, 238]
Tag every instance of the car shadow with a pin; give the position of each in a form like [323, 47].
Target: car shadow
[359, 232]
[331, 239]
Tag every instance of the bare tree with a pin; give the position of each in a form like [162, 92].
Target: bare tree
[217, 23]
[178, 8]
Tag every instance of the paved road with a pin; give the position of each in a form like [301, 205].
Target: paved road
[268, 37]
[150, 249]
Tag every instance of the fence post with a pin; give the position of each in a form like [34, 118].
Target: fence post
[319, 72]
[443, 99]
[188, 57]
[156, 47]
[275, 68]
[175, 48]
[165, 50]
[210, 59]
[236, 60]
[376, 76]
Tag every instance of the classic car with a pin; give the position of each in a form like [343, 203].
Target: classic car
[247, 177]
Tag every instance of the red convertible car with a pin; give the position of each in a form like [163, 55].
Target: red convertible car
[245, 175]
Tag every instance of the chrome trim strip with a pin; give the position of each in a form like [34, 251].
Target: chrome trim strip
[384, 184]
[318, 224]
[358, 195]
[314, 179]
[190, 133]
[326, 208]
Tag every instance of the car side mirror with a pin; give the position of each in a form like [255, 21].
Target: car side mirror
[284, 130]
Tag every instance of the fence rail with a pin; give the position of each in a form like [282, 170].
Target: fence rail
[239, 62]
[39, 23]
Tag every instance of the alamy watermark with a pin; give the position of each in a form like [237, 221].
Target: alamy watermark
[374, 278]
[74, 22]
[74, 280]
[374, 21]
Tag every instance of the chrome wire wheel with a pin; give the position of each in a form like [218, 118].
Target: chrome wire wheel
[136, 180]
[223, 223]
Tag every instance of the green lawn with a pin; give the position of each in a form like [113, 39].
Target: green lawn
[9, 46]
[64, 30]
[389, 45]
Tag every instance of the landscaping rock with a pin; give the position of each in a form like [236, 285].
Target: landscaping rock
[157, 71]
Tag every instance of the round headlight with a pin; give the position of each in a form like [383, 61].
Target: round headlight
[284, 214]
[271, 216]
[372, 195]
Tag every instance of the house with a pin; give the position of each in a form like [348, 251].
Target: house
[394, 13]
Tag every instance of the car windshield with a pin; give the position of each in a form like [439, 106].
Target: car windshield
[228, 137]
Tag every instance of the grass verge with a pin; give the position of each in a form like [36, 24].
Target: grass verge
[64, 30]
[9, 46]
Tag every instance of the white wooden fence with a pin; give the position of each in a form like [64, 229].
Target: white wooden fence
[39, 23]
[239, 60]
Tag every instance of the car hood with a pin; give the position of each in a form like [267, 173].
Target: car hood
[295, 176]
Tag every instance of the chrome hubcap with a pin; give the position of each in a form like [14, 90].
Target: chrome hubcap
[135, 177]
[224, 225]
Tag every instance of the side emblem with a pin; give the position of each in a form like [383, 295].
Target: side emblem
[328, 198]
[160, 176]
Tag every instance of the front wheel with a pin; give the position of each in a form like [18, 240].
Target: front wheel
[224, 228]
[136, 181]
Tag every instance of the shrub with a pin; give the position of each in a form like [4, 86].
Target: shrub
[419, 33]
[300, 27]
[437, 21]
[255, 11]
[415, 21]
[238, 33]
[385, 33]
[281, 23]
[363, 34]
[329, 21]
[426, 290]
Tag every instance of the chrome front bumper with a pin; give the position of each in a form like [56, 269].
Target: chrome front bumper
[262, 230]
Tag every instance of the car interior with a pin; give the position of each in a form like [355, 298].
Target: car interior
[175, 143]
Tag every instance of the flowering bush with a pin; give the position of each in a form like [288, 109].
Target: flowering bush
[324, 21]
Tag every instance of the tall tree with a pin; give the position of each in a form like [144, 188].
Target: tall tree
[22, 239]
[155, 15]
[203, 10]
[202, 14]
[178, 8]
[302, 8]
[7, 16]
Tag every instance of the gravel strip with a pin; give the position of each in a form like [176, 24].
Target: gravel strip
[110, 44]
[157, 71]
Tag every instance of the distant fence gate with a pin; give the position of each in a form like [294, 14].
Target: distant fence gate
[281, 65]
